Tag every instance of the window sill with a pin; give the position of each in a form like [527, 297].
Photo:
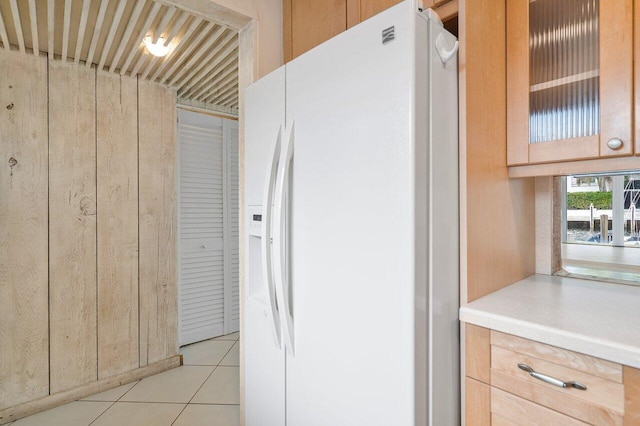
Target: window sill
[601, 262]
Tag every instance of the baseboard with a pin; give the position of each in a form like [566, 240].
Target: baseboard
[25, 409]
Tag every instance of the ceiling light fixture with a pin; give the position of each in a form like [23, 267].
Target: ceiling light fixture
[158, 48]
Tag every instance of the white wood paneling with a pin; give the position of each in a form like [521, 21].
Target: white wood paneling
[24, 342]
[117, 222]
[72, 226]
[157, 223]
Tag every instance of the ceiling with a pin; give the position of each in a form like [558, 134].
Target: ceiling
[202, 65]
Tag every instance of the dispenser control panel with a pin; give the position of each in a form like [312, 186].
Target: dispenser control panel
[255, 220]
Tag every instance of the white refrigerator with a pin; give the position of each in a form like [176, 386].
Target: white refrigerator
[351, 203]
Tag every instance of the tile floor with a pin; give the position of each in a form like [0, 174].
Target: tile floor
[203, 391]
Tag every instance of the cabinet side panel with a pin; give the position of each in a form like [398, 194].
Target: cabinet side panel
[24, 298]
[157, 216]
[117, 176]
[478, 403]
[478, 352]
[517, 82]
[72, 225]
[497, 214]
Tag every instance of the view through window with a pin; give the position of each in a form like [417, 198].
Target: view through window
[603, 209]
[601, 227]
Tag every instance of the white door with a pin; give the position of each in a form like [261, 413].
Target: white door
[264, 359]
[349, 106]
[207, 267]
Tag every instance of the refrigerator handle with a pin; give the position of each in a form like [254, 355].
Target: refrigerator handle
[267, 233]
[282, 240]
[444, 52]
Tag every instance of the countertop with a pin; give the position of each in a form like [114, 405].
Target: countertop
[590, 317]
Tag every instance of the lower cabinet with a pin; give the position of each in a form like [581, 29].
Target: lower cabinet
[512, 380]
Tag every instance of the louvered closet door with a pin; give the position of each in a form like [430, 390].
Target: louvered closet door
[232, 228]
[202, 269]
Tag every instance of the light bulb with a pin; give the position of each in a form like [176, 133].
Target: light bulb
[158, 48]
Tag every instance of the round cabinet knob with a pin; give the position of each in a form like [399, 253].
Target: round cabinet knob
[615, 143]
[204, 246]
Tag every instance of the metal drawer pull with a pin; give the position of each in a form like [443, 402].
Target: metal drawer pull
[551, 380]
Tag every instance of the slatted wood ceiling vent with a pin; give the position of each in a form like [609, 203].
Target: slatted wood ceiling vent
[202, 65]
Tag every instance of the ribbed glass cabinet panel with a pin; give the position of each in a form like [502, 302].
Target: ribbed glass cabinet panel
[564, 73]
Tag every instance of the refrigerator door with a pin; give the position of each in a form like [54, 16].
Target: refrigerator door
[352, 228]
[264, 358]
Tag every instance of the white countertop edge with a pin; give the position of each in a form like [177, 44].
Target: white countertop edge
[589, 345]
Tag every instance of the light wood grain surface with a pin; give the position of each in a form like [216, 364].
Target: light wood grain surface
[631, 396]
[24, 341]
[574, 360]
[477, 403]
[157, 221]
[117, 176]
[517, 81]
[497, 246]
[368, 8]
[478, 352]
[559, 400]
[616, 75]
[313, 22]
[601, 392]
[636, 76]
[72, 225]
[519, 411]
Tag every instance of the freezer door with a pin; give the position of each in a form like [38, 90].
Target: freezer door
[264, 359]
[349, 102]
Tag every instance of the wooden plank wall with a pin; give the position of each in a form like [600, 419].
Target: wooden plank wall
[88, 287]
[72, 225]
[117, 177]
[157, 162]
[24, 295]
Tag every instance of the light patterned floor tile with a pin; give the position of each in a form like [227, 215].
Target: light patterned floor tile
[139, 414]
[177, 385]
[112, 394]
[209, 352]
[222, 387]
[233, 356]
[209, 415]
[79, 413]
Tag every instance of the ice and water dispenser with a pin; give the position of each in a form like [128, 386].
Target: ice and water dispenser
[255, 287]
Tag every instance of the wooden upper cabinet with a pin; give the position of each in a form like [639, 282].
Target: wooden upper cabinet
[368, 8]
[636, 53]
[308, 23]
[569, 80]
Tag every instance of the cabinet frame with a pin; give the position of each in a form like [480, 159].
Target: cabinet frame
[616, 78]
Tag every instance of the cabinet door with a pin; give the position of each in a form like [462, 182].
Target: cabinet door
[636, 56]
[368, 8]
[308, 23]
[569, 80]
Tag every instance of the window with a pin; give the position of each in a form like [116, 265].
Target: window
[601, 226]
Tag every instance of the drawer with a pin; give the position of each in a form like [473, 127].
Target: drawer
[603, 402]
[507, 409]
